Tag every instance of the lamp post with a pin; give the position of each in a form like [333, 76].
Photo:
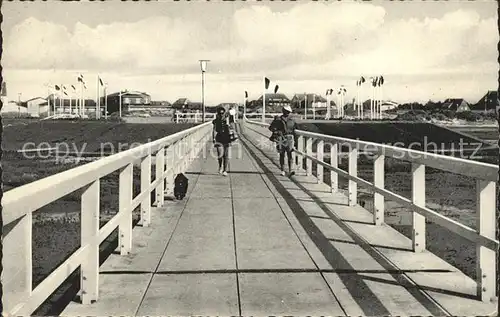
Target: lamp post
[203, 65]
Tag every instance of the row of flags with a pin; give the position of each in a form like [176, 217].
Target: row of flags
[80, 102]
[376, 101]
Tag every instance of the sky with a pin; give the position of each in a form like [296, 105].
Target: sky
[424, 50]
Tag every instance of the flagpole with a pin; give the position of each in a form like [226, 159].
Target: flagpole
[81, 99]
[327, 106]
[60, 100]
[120, 103]
[97, 99]
[244, 106]
[106, 101]
[264, 101]
[305, 106]
[371, 100]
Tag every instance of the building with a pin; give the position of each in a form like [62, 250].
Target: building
[58, 105]
[13, 107]
[36, 107]
[313, 101]
[129, 100]
[456, 104]
[186, 104]
[274, 102]
[489, 102]
[388, 105]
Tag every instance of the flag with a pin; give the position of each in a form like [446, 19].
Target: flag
[246, 94]
[267, 82]
[381, 80]
[362, 79]
[57, 87]
[65, 93]
[80, 79]
[4, 89]
[100, 81]
[74, 88]
[276, 88]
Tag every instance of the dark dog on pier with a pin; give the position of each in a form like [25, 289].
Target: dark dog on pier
[181, 186]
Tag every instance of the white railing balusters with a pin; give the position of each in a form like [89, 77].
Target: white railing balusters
[124, 203]
[145, 184]
[160, 166]
[353, 171]
[418, 198]
[486, 223]
[300, 158]
[309, 167]
[334, 159]
[89, 275]
[319, 168]
[378, 181]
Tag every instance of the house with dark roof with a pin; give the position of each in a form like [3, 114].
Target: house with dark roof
[456, 104]
[313, 101]
[274, 102]
[186, 104]
[488, 102]
[36, 106]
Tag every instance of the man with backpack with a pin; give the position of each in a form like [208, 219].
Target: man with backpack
[283, 129]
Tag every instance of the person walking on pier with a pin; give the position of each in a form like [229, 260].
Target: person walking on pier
[283, 128]
[221, 138]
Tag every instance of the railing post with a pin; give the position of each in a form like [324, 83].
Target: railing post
[28, 222]
[160, 166]
[145, 183]
[418, 198]
[319, 167]
[176, 118]
[334, 161]
[89, 277]
[353, 171]
[309, 152]
[378, 181]
[300, 158]
[486, 258]
[125, 200]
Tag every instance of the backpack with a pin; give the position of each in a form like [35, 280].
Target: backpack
[276, 133]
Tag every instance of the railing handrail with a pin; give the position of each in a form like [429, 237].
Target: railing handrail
[21, 200]
[478, 170]
[484, 236]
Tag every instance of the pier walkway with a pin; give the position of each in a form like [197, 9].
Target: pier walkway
[257, 243]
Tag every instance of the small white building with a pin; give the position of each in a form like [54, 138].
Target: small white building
[37, 106]
[12, 107]
[388, 105]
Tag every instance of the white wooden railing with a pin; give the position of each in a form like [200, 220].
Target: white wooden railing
[485, 174]
[193, 117]
[172, 155]
[258, 116]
